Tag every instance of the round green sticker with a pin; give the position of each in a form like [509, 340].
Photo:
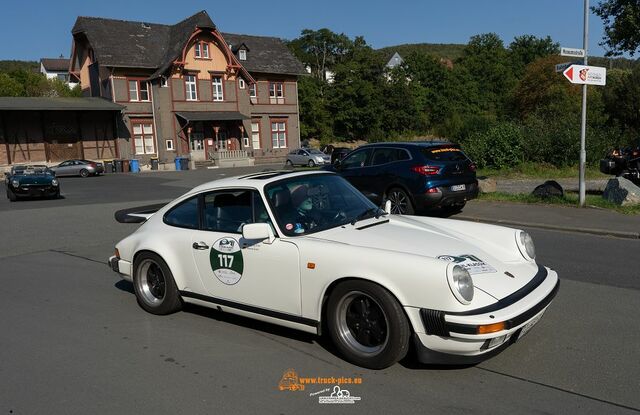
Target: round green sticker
[226, 260]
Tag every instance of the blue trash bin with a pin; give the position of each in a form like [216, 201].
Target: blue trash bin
[178, 163]
[134, 165]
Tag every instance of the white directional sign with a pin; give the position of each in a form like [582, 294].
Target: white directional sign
[586, 75]
[576, 53]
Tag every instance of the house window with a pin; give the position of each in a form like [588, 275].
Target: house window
[276, 93]
[255, 134]
[143, 137]
[243, 54]
[164, 83]
[191, 86]
[241, 83]
[169, 145]
[218, 91]
[201, 50]
[253, 91]
[138, 90]
[279, 134]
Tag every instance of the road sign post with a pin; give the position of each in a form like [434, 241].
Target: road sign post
[583, 128]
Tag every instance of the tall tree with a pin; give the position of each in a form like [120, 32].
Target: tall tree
[320, 50]
[621, 25]
[622, 99]
[527, 48]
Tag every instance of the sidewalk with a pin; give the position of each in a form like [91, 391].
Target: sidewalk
[587, 220]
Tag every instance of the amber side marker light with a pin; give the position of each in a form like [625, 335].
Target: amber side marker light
[116, 253]
[311, 265]
[490, 328]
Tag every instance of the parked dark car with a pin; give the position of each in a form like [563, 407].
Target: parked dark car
[623, 162]
[336, 153]
[27, 181]
[77, 167]
[414, 176]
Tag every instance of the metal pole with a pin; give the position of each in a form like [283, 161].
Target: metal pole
[583, 130]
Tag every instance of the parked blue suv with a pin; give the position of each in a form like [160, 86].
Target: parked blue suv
[414, 176]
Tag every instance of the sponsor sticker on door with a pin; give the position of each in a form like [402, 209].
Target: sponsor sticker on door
[471, 263]
[226, 260]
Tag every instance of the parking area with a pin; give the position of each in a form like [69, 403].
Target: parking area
[75, 341]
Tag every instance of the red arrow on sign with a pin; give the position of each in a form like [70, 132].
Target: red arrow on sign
[568, 73]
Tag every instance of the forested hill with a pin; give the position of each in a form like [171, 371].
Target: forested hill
[12, 65]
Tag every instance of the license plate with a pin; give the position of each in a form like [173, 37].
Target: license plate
[529, 326]
[458, 187]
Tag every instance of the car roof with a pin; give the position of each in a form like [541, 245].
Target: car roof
[410, 144]
[256, 180]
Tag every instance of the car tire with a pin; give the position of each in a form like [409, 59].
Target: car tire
[401, 203]
[367, 324]
[154, 286]
[288, 163]
[11, 196]
[84, 173]
[311, 163]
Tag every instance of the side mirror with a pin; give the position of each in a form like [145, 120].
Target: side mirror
[387, 206]
[258, 231]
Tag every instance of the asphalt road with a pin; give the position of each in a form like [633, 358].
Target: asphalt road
[74, 341]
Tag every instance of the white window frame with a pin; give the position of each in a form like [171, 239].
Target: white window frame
[279, 134]
[191, 95]
[241, 83]
[197, 51]
[276, 92]
[146, 137]
[205, 50]
[131, 98]
[164, 82]
[217, 86]
[242, 54]
[255, 134]
[169, 145]
[140, 83]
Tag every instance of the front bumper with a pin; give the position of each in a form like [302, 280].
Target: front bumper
[36, 190]
[453, 338]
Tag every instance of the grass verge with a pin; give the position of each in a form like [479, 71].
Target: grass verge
[541, 171]
[569, 199]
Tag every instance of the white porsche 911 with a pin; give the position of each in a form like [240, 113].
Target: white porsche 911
[307, 250]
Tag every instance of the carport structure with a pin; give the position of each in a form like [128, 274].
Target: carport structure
[52, 129]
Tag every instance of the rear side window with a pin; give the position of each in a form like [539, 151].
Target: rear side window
[184, 215]
[444, 154]
[228, 211]
[386, 155]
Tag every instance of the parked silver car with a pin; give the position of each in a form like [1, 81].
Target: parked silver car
[78, 167]
[307, 157]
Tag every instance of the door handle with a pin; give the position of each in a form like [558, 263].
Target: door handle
[200, 245]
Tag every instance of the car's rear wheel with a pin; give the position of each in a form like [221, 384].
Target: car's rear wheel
[400, 202]
[84, 173]
[311, 163]
[367, 324]
[153, 282]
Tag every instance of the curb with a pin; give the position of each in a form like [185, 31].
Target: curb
[592, 231]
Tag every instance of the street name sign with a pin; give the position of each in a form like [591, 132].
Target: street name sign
[576, 53]
[586, 75]
[562, 66]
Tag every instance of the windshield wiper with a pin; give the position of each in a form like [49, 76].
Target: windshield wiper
[371, 212]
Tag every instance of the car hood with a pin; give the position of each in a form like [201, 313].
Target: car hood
[33, 179]
[487, 263]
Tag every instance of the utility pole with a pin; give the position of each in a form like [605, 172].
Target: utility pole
[583, 132]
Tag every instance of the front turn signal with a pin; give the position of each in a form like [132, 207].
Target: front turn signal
[490, 328]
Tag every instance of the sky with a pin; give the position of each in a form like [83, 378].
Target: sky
[32, 29]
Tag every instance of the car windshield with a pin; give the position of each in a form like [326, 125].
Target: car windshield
[312, 203]
[32, 170]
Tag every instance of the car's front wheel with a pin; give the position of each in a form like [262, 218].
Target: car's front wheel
[84, 173]
[154, 285]
[367, 324]
[11, 196]
[311, 163]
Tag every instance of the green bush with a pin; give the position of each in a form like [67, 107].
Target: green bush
[498, 147]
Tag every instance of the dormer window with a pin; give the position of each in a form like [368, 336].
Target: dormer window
[242, 54]
[201, 50]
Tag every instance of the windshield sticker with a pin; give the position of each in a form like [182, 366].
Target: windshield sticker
[289, 226]
[298, 228]
[443, 150]
[471, 263]
[226, 260]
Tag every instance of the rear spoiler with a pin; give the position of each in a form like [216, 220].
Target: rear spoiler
[137, 214]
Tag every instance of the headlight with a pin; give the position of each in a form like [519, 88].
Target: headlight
[54, 182]
[15, 183]
[461, 284]
[525, 244]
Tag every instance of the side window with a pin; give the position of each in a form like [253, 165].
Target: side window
[302, 153]
[184, 215]
[357, 159]
[383, 156]
[402, 154]
[227, 211]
